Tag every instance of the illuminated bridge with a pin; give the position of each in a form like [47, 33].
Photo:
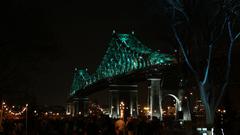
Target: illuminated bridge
[126, 63]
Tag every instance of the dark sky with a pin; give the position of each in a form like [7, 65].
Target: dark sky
[42, 41]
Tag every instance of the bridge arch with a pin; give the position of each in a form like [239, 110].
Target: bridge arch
[178, 106]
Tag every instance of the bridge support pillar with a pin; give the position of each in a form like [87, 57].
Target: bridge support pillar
[75, 107]
[69, 108]
[180, 107]
[134, 103]
[83, 106]
[114, 103]
[185, 110]
[155, 98]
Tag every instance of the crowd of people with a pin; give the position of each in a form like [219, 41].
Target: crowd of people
[92, 125]
[97, 125]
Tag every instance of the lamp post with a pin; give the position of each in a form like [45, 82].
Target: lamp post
[26, 119]
[1, 115]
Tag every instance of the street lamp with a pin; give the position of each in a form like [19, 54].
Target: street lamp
[26, 118]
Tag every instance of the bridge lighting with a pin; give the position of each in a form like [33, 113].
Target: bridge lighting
[111, 66]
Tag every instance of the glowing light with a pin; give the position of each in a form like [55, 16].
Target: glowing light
[124, 54]
[224, 111]
[146, 108]
[121, 109]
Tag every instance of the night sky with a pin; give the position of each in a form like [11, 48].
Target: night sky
[42, 41]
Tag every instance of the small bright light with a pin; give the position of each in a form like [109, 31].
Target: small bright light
[57, 114]
[35, 111]
[185, 97]
[219, 110]
[146, 108]
[3, 103]
[79, 113]
[191, 93]
[46, 113]
[224, 111]
[26, 105]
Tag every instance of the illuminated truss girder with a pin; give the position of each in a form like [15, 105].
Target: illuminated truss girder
[124, 54]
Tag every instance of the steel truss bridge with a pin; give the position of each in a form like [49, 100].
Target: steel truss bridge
[126, 61]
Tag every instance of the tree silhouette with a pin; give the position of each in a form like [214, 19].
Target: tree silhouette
[202, 28]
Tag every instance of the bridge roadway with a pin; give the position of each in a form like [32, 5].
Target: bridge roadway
[129, 78]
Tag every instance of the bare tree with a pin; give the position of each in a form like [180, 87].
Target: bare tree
[201, 28]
